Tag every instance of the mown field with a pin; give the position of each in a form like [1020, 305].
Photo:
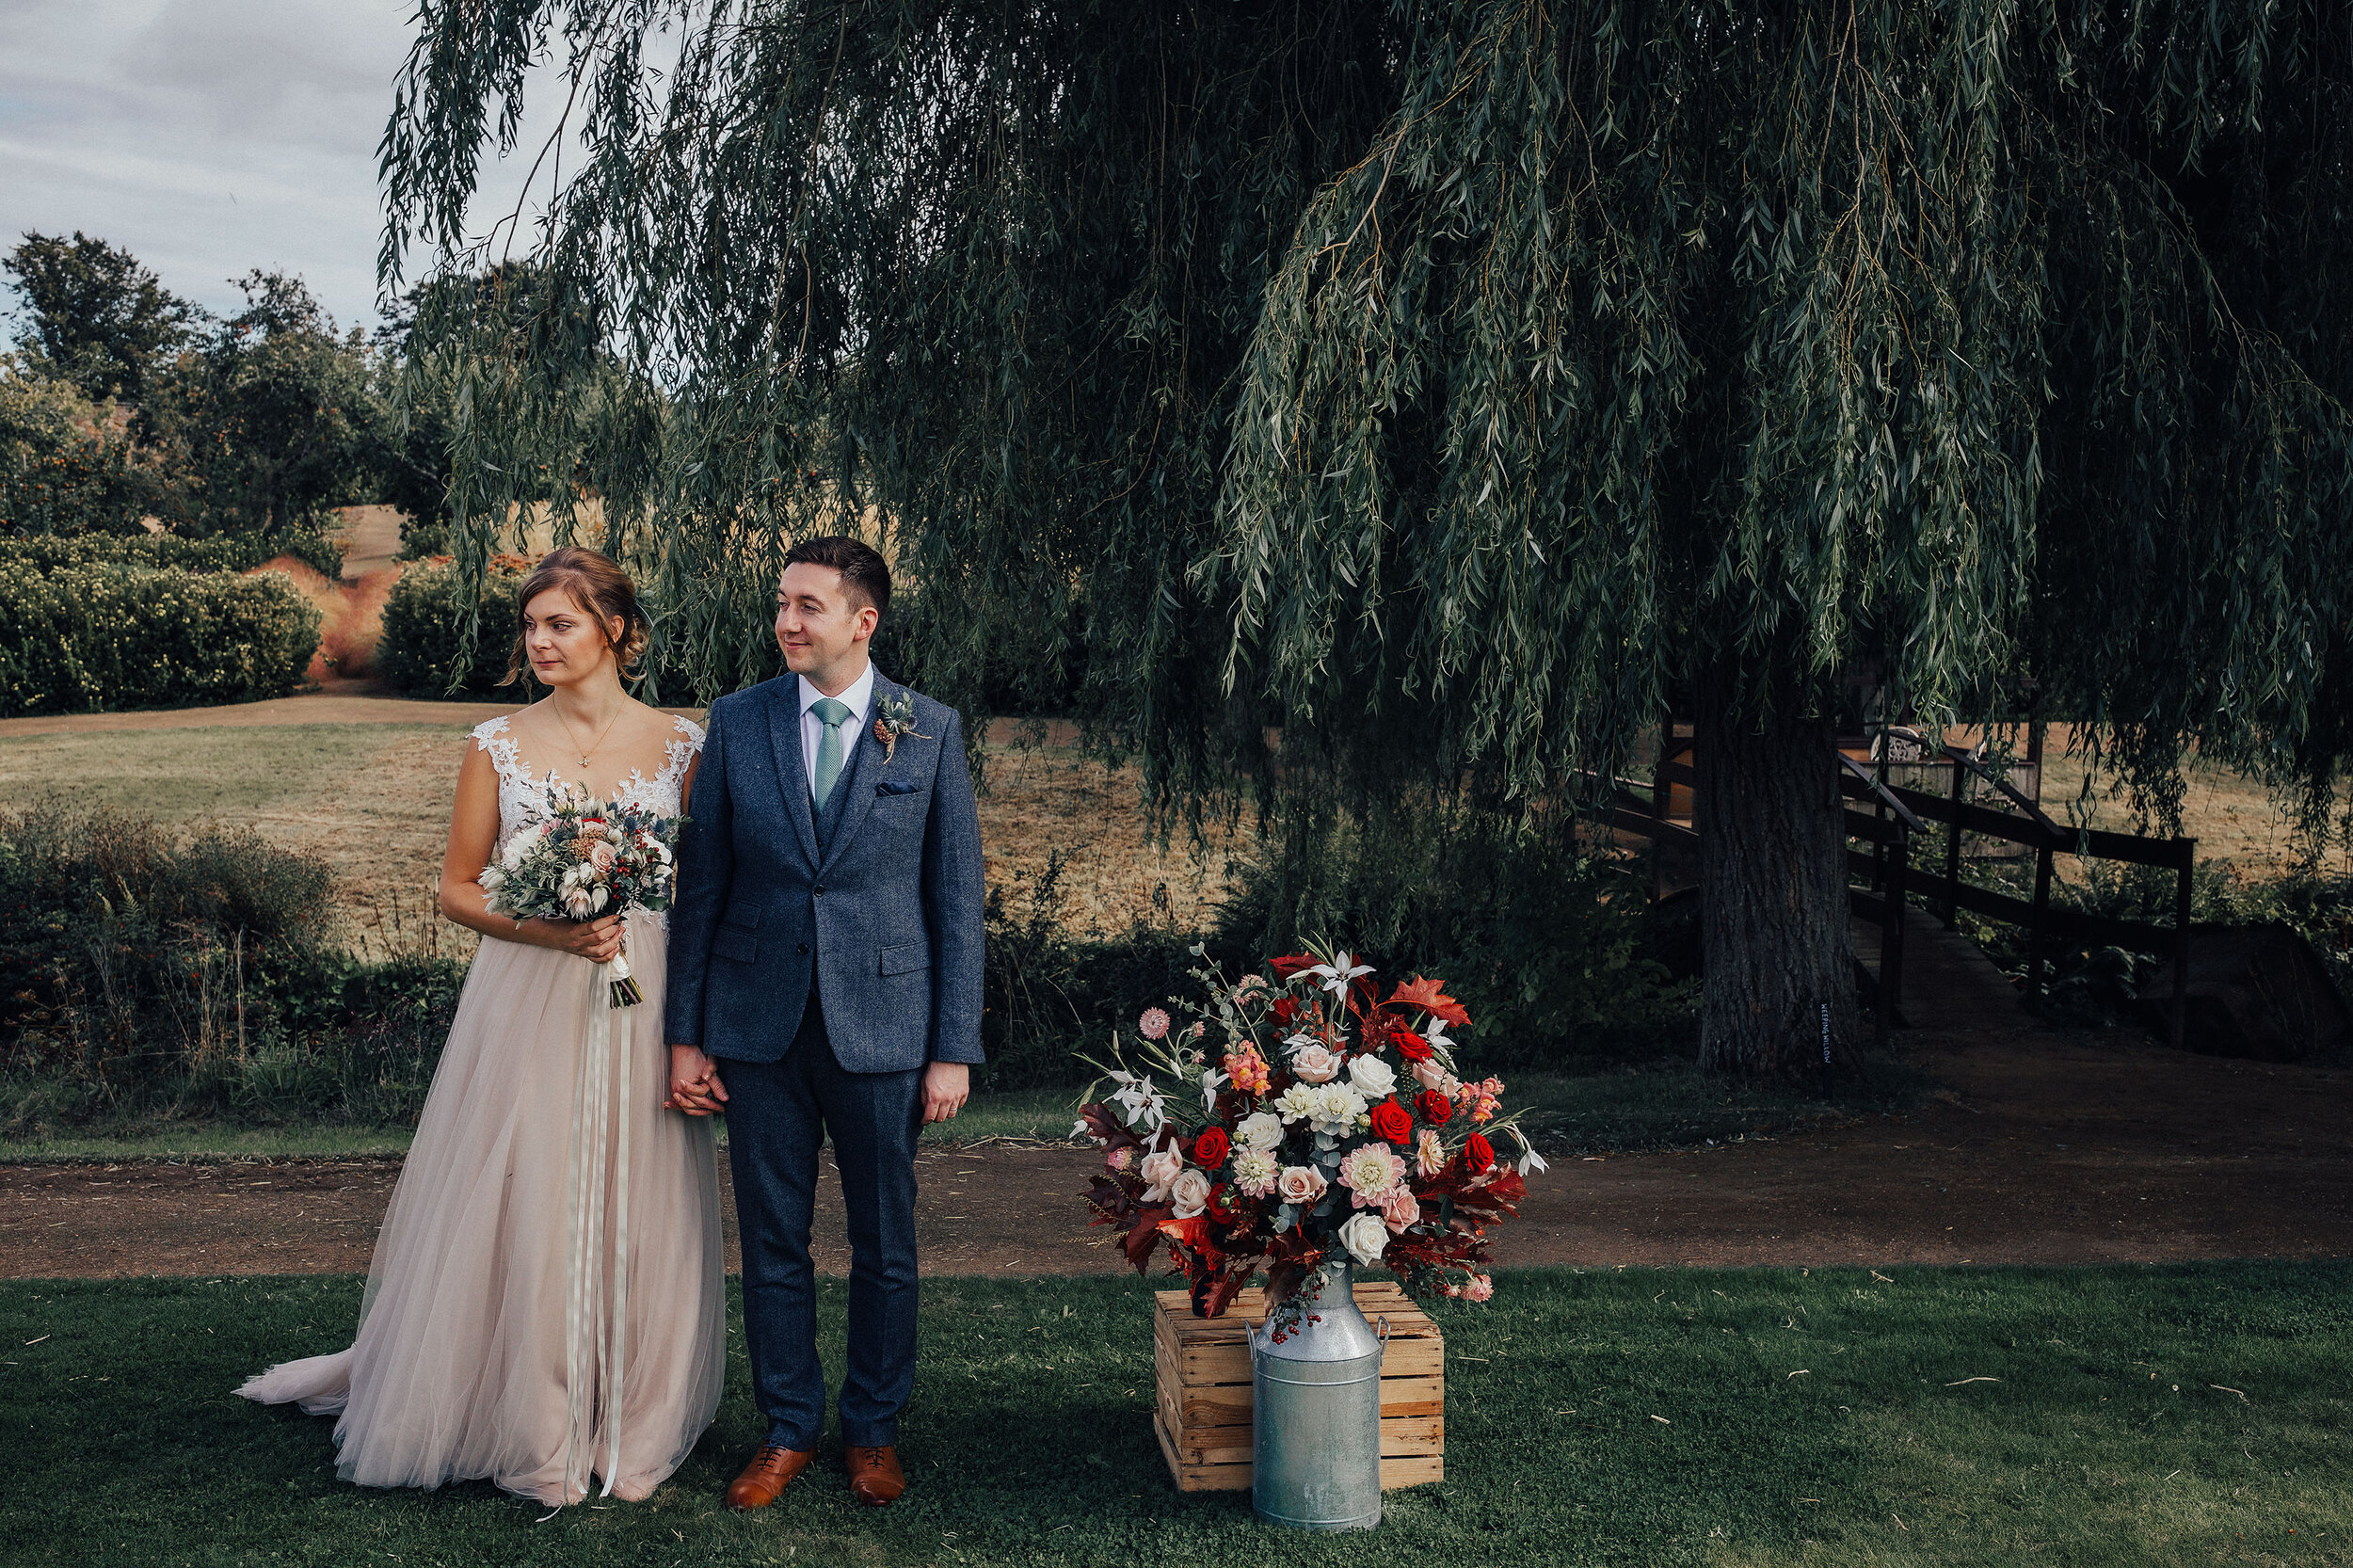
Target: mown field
[372, 799]
[2095, 1416]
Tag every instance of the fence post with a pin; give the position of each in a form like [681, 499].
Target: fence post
[1892, 932]
[1952, 844]
[2180, 941]
[2035, 926]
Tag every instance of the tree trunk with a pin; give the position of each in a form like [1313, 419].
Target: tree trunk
[1777, 991]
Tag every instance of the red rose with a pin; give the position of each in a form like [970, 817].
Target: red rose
[1411, 1046]
[1211, 1149]
[1479, 1156]
[1435, 1108]
[1391, 1122]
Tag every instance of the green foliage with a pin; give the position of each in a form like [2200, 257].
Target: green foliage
[150, 974]
[423, 650]
[167, 551]
[94, 636]
[65, 467]
[98, 317]
[270, 418]
[1552, 950]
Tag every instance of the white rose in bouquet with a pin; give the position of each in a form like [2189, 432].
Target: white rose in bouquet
[1365, 1238]
[1372, 1076]
[1312, 1064]
[1261, 1130]
[1191, 1193]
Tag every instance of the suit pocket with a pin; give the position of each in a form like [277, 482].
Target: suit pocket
[739, 933]
[906, 959]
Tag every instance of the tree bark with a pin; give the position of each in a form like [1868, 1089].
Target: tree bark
[1777, 987]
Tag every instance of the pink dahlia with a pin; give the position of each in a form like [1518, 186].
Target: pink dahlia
[1372, 1172]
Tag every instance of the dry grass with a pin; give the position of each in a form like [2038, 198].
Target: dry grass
[373, 800]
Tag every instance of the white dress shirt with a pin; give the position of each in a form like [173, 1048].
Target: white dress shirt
[860, 699]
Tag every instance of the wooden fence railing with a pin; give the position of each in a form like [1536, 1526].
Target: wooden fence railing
[1885, 817]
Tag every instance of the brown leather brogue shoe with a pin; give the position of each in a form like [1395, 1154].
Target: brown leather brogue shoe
[875, 1477]
[771, 1470]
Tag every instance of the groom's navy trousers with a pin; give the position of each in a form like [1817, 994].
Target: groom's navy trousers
[778, 1113]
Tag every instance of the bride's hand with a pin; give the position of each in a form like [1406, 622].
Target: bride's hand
[598, 941]
[694, 1086]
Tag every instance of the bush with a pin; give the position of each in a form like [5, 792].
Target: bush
[168, 552]
[64, 467]
[422, 652]
[1554, 952]
[92, 637]
[147, 974]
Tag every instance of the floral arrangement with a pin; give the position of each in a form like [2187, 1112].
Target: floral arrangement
[1328, 1120]
[589, 858]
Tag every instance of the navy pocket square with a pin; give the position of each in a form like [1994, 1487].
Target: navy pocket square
[893, 787]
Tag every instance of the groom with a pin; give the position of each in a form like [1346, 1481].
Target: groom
[825, 951]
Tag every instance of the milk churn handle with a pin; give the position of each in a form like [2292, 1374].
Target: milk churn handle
[1381, 1330]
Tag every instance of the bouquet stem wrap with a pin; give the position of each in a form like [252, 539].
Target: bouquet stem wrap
[624, 987]
[592, 1329]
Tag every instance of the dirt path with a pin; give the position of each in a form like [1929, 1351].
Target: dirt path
[2049, 1149]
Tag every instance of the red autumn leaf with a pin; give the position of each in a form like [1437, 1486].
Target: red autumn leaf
[1292, 963]
[1429, 996]
[1285, 1010]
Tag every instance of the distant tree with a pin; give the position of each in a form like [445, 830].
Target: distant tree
[1466, 386]
[270, 417]
[65, 468]
[96, 315]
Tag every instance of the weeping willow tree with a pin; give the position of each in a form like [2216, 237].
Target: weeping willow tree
[1461, 388]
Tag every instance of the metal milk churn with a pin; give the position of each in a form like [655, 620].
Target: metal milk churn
[1316, 1427]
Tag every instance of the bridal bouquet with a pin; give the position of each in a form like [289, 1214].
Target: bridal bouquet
[1327, 1119]
[589, 857]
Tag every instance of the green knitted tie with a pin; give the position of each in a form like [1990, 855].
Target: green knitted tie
[833, 716]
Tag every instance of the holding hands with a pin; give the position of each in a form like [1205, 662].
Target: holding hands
[694, 1086]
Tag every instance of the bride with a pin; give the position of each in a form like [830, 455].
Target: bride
[545, 1303]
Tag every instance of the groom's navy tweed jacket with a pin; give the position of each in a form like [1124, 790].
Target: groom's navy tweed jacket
[878, 905]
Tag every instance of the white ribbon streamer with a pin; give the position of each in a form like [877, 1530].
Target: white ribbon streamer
[592, 1334]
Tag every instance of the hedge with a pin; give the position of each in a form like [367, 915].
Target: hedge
[419, 651]
[85, 638]
[169, 552]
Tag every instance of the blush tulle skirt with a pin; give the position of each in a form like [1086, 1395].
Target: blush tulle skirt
[545, 1305]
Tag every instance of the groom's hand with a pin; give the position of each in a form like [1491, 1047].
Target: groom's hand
[694, 1086]
[946, 1086]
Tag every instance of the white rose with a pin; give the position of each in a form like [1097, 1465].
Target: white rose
[1261, 1130]
[1365, 1238]
[1372, 1076]
[1159, 1170]
[1191, 1193]
[1314, 1065]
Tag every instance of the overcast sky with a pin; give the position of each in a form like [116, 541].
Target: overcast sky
[207, 136]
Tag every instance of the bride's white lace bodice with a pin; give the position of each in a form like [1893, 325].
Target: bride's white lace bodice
[523, 799]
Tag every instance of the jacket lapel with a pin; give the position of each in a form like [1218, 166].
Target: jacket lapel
[866, 764]
[784, 738]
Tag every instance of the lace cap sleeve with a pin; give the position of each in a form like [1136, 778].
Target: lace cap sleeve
[693, 731]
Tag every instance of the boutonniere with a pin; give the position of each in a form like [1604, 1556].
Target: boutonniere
[894, 719]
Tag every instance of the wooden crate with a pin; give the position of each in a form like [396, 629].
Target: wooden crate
[1202, 1389]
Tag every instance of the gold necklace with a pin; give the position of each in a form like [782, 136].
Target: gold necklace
[573, 735]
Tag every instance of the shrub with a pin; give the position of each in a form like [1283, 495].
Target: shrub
[1553, 951]
[422, 649]
[64, 467]
[92, 637]
[168, 552]
[145, 973]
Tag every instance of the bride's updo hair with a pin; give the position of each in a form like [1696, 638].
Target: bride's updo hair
[601, 589]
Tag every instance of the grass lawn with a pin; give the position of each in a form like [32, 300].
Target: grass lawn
[1963, 1417]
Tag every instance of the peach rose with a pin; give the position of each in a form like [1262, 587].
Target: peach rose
[1191, 1193]
[1300, 1184]
[1400, 1208]
[1159, 1171]
[1314, 1065]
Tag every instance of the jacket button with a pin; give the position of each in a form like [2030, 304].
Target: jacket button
[821, 889]
[800, 947]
